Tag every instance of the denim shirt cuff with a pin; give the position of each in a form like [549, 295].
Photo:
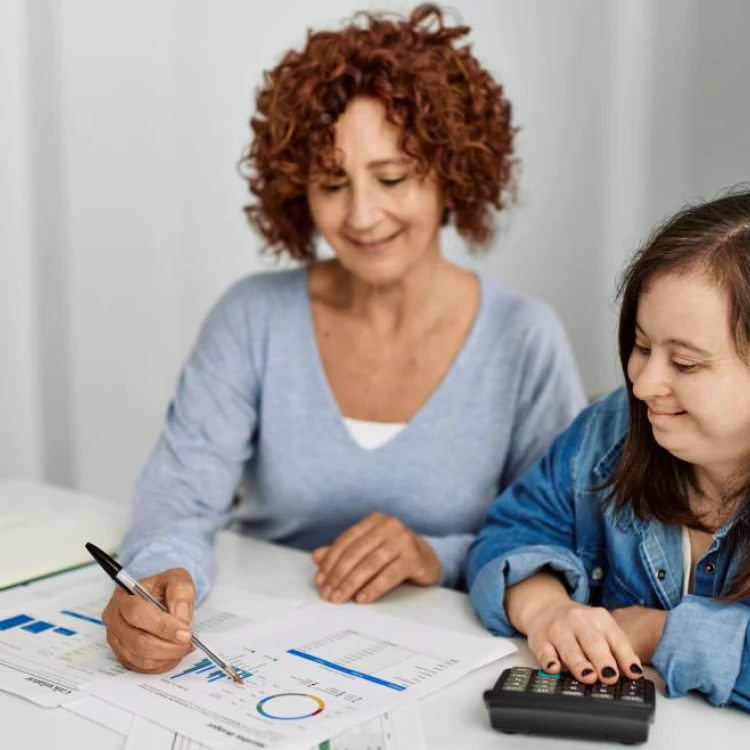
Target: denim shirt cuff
[701, 648]
[488, 590]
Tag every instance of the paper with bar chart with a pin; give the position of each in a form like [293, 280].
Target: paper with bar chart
[50, 646]
[307, 677]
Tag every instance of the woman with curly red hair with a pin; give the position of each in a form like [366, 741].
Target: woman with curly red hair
[369, 407]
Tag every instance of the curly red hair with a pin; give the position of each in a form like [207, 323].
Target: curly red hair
[456, 123]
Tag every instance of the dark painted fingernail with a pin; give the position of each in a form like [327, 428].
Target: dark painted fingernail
[608, 673]
[586, 672]
[636, 669]
[550, 664]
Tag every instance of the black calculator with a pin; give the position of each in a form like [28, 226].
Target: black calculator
[531, 701]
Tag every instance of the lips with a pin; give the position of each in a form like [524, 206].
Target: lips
[663, 413]
[374, 246]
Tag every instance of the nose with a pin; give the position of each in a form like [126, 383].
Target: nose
[649, 376]
[363, 210]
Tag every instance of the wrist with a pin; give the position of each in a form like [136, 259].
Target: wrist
[526, 602]
[432, 568]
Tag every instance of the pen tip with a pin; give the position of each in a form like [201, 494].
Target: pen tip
[237, 678]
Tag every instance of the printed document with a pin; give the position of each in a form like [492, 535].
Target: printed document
[308, 677]
[52, 645]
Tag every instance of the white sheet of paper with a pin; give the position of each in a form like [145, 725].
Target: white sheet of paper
[400, 730]
[101, 712]
[308, 677]
[52, 645]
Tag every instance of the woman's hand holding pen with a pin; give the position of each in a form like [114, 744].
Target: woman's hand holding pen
[373, 557]
[144, 638]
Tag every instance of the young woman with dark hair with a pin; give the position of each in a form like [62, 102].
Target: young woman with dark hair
[628, 543]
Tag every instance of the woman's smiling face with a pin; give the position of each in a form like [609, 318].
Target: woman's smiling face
[379, 216]
[686, 368]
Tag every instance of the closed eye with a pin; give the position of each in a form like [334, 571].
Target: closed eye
[681, 367]
[333, 188]
[392, 182]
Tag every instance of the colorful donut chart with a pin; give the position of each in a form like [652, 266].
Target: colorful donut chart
[265, 707]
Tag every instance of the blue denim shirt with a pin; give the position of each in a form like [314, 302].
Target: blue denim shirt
[553, 516]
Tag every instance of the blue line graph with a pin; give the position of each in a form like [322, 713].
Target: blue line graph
[79, 616]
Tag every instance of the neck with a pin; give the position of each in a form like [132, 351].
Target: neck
[716, 484]
[392, 308]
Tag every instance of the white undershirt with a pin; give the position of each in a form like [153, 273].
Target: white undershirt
[687, 560]
[371, 435]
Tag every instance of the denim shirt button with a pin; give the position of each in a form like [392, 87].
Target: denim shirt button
[661, 574]
[710, 568]
[597, 574]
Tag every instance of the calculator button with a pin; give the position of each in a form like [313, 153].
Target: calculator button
[632, 698]
[573, 693]
[603, 691]
[524, 671]
[547, 689]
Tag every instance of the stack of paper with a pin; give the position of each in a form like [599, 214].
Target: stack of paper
[311, 673]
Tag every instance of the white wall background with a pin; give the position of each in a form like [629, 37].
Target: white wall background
[121, 125]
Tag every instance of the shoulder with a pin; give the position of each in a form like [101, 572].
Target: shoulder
[240, 320]
[599, 432]
[265, 287]
[250, 300]
[518, 315]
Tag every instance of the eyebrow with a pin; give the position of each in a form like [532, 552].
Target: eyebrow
[399, 160]
[682, 344]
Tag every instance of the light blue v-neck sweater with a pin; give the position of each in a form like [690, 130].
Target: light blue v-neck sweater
[253, 410]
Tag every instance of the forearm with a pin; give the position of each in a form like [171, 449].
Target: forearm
[451, 552]
[526, 600]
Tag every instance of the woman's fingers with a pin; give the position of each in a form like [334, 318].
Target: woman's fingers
[627, 659]
[547, 656]
[368, 568]
[388, 578]
[132, 661]
[364, 557]
[144, 644]
[342, 543]
[573, 656]
[142, 636]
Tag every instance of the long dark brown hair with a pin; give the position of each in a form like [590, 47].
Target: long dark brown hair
[714, 239]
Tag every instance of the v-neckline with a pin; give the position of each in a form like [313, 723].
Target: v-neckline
[429, 404]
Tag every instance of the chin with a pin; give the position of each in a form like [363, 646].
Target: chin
[378, 272]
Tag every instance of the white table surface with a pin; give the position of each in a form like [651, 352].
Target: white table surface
[453, 718]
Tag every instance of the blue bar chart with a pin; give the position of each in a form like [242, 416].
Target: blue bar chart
[32, 625]
[207, 667]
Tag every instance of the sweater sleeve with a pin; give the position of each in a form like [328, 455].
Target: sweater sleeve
[184, 492]
[551, 394]
[550, 398]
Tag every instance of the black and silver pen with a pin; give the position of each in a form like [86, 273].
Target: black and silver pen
[122, 578]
